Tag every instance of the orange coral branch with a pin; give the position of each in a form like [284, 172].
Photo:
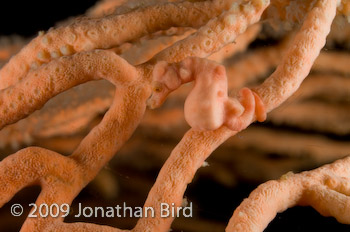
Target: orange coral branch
[178, 171]
[90, 34]
[325, 189]
[25, 89]
[57, 76]
[217, 32]
[298, 60]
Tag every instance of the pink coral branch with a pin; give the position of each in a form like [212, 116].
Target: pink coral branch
[217, 33]
[280, 86]
[57, 76]
[178, 171]
[66, 57]
[299, 58]
[90, 34]
[327, 194]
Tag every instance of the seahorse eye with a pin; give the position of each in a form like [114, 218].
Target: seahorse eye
[157, 87]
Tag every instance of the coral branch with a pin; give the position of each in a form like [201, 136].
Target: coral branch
[49, 80]
[89, 34]
[298, 60]
[216, 33]
[39, 165]
[241, 43]
[118, 124]
[327, 194]
[178, 172]
[287, 79]
[104, 7]
[162, 45]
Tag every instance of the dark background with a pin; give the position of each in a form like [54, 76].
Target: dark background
[28, 17]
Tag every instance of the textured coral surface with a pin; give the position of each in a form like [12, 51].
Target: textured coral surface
[125, 103]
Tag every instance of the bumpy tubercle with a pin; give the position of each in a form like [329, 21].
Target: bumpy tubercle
[208, 106]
